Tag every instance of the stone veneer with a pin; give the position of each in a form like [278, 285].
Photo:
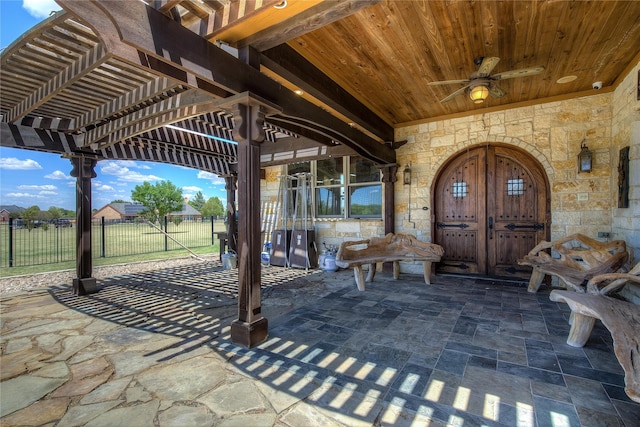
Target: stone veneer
[552, 133]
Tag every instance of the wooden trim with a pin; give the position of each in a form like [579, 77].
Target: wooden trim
[514, 106]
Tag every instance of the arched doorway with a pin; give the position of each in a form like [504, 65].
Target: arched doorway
[491, 206]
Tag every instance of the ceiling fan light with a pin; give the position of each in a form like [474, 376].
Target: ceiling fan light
[478, 94]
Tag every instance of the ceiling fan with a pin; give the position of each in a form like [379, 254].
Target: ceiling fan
[482, 83]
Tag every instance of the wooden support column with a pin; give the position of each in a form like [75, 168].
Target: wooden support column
[389, 178]
[231, 185]
[83, 171]
[248, 111]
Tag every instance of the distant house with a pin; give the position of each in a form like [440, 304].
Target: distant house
[130, 211]
[7, 210]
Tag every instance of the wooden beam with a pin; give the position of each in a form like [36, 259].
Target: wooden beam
[162, 46]
[25, 137]
[75, 71]
[169, 110]
[128, 101]
[288, 150]
[313, 18]
[293, 67]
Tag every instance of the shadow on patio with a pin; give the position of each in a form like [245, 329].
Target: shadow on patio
[463, 351]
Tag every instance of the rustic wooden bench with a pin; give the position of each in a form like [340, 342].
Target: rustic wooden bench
[621, 318]
[580, 259]
[390, 248]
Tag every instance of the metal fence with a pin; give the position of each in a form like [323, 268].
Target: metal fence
[46, 243]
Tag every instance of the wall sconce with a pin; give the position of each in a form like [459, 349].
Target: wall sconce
[406, 175]
[585, 159]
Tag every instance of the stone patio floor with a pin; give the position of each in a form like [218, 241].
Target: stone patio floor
[153, 349]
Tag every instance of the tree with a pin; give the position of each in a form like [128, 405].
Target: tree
[213, 207]
[118, 201]
[29, 215]
[159, 199]
[198, 201]
[55, 213]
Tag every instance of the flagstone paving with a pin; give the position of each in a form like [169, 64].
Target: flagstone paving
[154, 349]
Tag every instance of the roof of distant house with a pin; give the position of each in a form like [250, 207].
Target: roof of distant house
[134, 209]
[11, 208]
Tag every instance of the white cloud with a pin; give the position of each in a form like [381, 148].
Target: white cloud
[58, 175]
[47, 193]
[40, 8]
[24, 196]
[123, 173]
[14, 164]
[130, 164]
[215, 179]
[191, 189]
[45, 187]
[103, 187]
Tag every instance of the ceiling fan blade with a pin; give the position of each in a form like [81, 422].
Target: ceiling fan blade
[518, 73]
[496, 92]
[488, 64]
[448, 82]
[454, 94]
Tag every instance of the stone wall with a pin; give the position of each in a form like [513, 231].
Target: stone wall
[551, 132]
[626, 133]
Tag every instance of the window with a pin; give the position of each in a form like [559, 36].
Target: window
[515, 187]
[459, 189]
[355, 177]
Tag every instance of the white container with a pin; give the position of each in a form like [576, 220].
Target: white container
[330, 263]
[321, 259]
[265, 258]
[229, 261]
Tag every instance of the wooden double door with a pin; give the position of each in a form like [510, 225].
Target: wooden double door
[491, 208]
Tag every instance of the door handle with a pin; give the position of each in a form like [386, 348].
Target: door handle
[490, 227]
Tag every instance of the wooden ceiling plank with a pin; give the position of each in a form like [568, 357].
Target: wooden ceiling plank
[67, 76]
[203, 62]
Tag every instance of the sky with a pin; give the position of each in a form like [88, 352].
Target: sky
[30, 178]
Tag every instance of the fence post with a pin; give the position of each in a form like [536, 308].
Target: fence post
[166, 231]
[10, 242]
[103, 244]
[213, 236]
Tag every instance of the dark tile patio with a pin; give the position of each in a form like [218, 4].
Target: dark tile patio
[461, 352]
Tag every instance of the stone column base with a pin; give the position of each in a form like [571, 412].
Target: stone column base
[84, 286]
[249, 334]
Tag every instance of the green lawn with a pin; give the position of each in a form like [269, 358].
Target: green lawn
[54, 249]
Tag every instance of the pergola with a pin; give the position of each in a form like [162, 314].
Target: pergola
[122, 80]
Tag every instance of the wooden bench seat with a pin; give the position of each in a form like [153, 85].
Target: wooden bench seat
[390, 248]
[580, 259]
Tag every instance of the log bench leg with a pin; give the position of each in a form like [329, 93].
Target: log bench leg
[359, 275]
[581, 328]
[426, 265]
[535, 281]
[396, 269]
[372, 272]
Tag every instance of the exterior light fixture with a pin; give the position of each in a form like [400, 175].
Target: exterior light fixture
[406, 175]
[479, 93]
[585, 158]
